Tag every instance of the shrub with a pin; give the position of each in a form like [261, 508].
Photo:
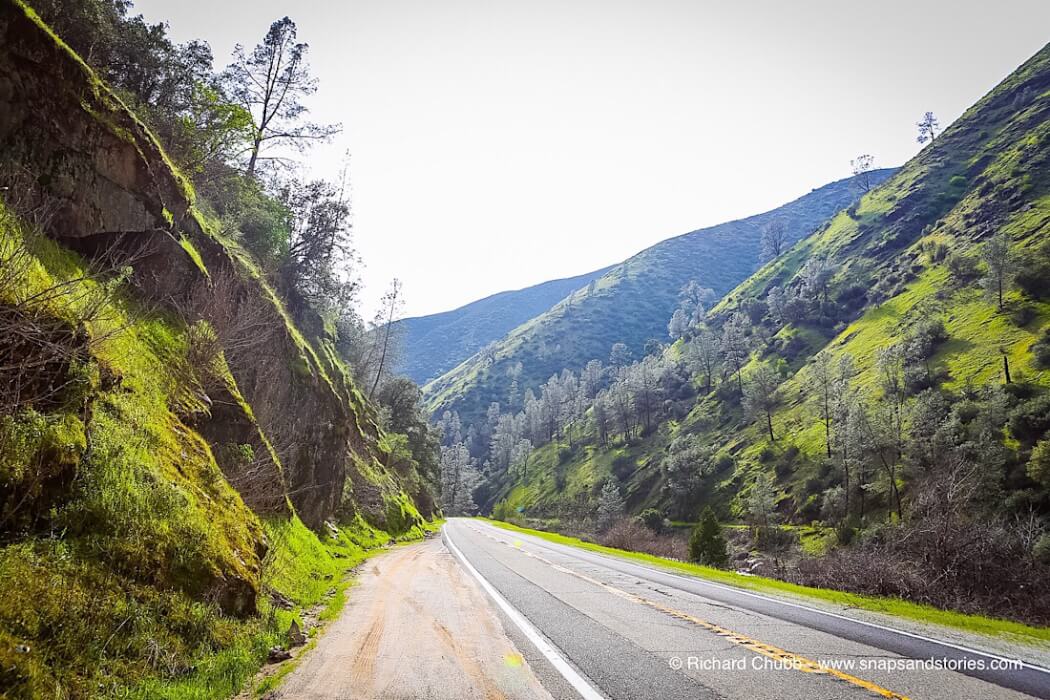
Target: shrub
[707, 544]
[845, 534]
[503, 511]
[1022, 314]
[652, 519]
[1031, 419]
[630, 535]
[623, 466]
[1041, 548]
[963, 268]
[1041, 349]
[950, 553]
[1033, 274]
[774, 538]
[1039, 463]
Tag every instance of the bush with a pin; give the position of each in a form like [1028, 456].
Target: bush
[1033, 274]
[503, 511]
[1022, 314]
[845, 534]
[963, 268]
[1031, 419]
[630, 535]
[950, 553]
[1039, 463]
[707, 544]
[774, 539]
[1041, 548]
[1041, 349]
[652, 519]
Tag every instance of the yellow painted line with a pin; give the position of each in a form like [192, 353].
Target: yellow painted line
[800, 663]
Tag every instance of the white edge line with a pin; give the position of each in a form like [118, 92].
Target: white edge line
[742, 591]
[545, 647]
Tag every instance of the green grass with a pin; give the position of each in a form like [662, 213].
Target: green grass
[114, 586]
[889, 606]
[307, 569]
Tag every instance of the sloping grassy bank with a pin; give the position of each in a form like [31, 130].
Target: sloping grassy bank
[889, 606]
[304, 572]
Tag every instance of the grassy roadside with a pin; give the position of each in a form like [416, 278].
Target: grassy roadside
[978, 624]
[330, 608]
[310, 572]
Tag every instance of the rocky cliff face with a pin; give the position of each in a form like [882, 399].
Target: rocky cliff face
[70, 144]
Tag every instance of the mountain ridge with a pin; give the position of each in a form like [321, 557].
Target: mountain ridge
[436, 343]
[643, 288]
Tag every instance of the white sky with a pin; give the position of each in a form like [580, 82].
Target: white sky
[500, 143]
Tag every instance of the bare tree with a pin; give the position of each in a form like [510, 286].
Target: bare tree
[774, 239]
[927, 128]
[735, 345]
[703, 352]
[762, 394]
[271, 82]
[861, 166]
[822, 371]
[390, 309]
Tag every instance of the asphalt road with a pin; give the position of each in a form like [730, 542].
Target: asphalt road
[595, 626]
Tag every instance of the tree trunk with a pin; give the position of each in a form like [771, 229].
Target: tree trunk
[896, 495]
[256, 145]
[1006, 368]
[769, 424]
[827, 425]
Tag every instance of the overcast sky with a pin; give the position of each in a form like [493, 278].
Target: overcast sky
[496, 144]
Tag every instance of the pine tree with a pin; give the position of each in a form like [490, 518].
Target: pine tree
[707, 545]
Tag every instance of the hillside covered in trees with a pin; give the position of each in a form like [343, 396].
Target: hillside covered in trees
[188, 462]
[630, 304]
[432, 345]
[883, 384]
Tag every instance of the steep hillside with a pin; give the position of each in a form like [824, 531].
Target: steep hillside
[436, 343]
[630, 304]
[165, 427]
[894, 307]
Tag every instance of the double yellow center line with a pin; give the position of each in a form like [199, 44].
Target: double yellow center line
[786, 658]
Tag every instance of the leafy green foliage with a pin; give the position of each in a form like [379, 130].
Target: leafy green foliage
[652, 519]
[1039, 463]
[707, 544]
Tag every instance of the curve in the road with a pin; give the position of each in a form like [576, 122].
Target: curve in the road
[1023, 677]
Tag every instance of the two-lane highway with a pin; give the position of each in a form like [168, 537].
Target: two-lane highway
[598, 626]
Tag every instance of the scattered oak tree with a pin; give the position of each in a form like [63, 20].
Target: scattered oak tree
[762, 394]
[999, 266]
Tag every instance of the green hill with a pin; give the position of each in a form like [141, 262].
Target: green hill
[903, 286]
[434, 344]
[184, 471]
[631, 304]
